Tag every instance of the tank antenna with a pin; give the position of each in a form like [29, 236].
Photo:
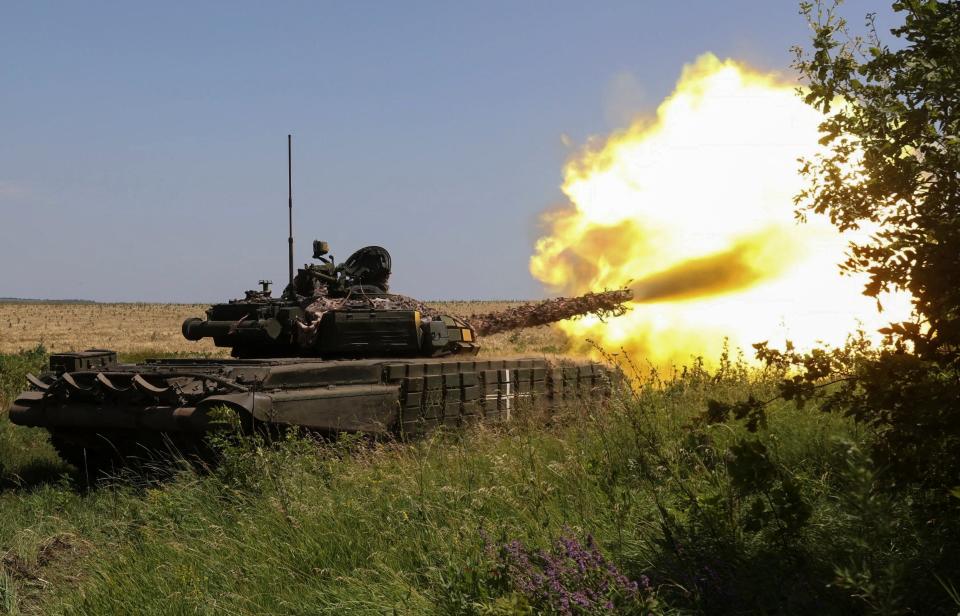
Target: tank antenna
[290, 204]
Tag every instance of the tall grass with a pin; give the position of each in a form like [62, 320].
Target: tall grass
[711, 517]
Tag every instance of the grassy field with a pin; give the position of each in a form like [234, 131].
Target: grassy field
[155, 328]
[636, 506]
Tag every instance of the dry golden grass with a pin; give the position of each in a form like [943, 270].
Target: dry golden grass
[140, 328]
[121, 327]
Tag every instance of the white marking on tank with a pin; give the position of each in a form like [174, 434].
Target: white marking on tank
[508, 395]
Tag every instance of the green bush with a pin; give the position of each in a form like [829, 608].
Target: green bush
[26, 456]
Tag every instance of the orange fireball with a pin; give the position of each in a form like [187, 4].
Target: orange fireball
[693, 208]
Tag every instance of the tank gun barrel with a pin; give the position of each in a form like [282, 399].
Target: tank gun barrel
[604, 304]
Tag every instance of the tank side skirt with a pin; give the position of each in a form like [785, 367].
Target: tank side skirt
[489, 390]
[376, 396]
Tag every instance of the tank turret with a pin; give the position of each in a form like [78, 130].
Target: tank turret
[334, 311]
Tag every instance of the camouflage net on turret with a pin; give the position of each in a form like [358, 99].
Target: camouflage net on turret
[603, 304]
[316, 307]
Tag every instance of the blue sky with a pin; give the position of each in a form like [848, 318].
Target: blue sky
[143, 145]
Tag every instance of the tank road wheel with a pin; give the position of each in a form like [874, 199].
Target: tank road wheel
[82, 451]
[154, 455]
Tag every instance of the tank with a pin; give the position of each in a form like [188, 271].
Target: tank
[335, 352]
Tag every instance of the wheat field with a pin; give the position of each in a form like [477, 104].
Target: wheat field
[143, 328]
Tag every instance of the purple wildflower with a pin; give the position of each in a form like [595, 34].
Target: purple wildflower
[568, 578]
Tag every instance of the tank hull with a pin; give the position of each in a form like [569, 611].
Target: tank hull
[370, 396]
